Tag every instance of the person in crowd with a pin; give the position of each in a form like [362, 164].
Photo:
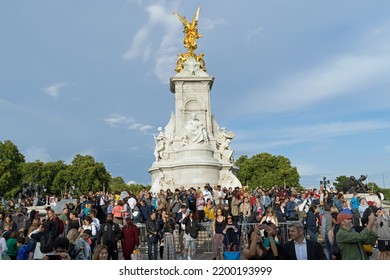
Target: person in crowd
[23, 249]
[167, 226]
[326, 226]
[300, 248]
[191, 228]
[362, 207]
[74, 221]
[235, 205]
[118, 212]
[82, 246]
[54, 222]
[10, 223]
[256, 204]
[256, 249]
[351, 241]
[129, 238]
[338, 201]
[179, 220]
[230, 231]
[95, 221]
[383, 225]
[60, 252]
[200, 205]
[86, 205]
[109, 234]
[219, 225]
[64, 216]
[3, 246]
[152, 236]
[145, 210]
[36, 235]
[12, 246]
[72, 236]
[312, 222]
[245, 210]
[270, 217]
[100, 252]
[110, 206]
[175, 205]
[291, 208]
[209, 211]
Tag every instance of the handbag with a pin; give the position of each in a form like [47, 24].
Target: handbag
[136, 255]
[231, 252]
[231, 255]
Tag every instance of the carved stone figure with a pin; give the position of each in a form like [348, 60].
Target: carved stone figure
[161, 145]
[225, 138]
[195, 132]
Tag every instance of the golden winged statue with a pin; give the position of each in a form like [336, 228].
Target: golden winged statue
[191, 35]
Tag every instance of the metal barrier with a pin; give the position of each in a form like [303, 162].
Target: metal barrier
[204, 243]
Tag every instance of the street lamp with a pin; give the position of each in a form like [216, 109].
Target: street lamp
[324, 182]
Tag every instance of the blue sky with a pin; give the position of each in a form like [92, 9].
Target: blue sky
[308, 80]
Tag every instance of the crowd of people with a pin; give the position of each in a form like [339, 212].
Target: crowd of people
[95, 226]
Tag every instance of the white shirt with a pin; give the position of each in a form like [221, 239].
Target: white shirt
[132, 202]
[3, 246]
[301, 250]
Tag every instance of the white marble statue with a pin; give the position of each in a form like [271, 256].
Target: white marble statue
[195, 132]
[161, 145]
[225, 138]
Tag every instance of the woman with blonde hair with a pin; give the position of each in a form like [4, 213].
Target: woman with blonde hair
[270, 217]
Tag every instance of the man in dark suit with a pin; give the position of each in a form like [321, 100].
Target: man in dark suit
[300, 248]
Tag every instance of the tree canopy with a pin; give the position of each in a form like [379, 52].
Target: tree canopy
[267, 170]
[10, 168]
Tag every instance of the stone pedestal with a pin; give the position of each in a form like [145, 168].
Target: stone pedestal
[193, 150]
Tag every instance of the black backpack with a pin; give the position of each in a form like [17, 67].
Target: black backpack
[335, 247]
[47, 243]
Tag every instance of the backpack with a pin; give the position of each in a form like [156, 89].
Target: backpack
[47, 243]
[335, 247]
[62, 227]
[72, 251]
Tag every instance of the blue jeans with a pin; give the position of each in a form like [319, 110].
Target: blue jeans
[152, 243]
[328, 247]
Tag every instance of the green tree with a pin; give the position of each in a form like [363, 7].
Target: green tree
[118, 184]
[88, 175]
[10, 170]
[340, 182]
[43, 175]
[267, 170]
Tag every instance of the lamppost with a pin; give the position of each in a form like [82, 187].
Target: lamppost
[324, 182]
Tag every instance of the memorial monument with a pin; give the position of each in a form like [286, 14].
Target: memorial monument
[192, 149]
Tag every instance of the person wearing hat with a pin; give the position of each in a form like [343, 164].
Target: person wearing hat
[351, 242]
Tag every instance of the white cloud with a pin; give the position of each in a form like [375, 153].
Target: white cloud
[34, 153]
[54, 90]
[345, 74]
[210, 24]
[121, 121]
[342, 76]
[283, 137]
[165, 51]
[131, 182]
[253, 33]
